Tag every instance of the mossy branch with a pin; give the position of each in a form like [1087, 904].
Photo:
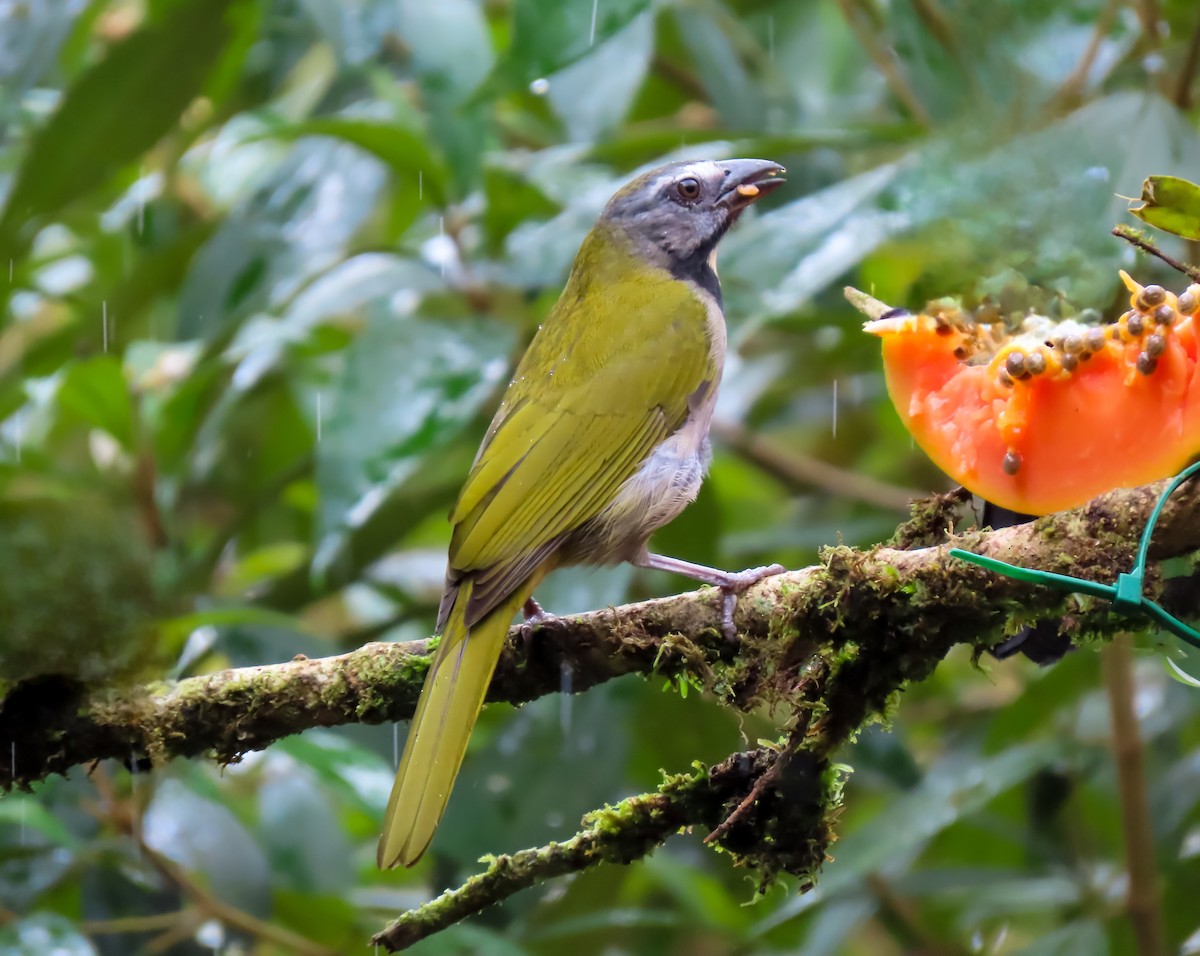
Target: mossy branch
[877, 618]
[629, 831]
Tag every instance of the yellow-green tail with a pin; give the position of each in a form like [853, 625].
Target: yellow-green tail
[441, 727]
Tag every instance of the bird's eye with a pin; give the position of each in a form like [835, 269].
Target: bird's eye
[688, 189]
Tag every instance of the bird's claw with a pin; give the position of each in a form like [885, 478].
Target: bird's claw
[535, 617]
[734, 585]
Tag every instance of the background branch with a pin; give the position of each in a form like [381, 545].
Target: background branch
[1142, 899]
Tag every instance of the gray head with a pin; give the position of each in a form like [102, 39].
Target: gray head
[675, 215]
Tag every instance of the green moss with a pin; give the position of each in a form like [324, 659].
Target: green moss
[77, 598]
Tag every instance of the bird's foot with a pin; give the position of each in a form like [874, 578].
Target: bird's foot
[732, 587]
[731, 583]
[535, 617]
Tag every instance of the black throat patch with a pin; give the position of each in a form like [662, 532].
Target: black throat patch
[696, 268]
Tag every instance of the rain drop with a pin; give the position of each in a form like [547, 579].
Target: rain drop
[442, 235]
[592, 32]
[835, 406]
[104, 323]
[566, 682]
[318, 416]
[771, 38]
[540, 86]
[420, 184]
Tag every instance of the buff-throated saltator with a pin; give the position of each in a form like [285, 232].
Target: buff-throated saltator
[600, 439]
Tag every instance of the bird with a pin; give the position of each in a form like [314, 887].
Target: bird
[600, 438]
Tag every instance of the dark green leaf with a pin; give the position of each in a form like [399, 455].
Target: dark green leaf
[106, 119]
[383, 423]
[548, 35]
[404, 152]
[96, 392]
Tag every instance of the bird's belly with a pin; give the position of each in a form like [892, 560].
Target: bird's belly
[667, 482]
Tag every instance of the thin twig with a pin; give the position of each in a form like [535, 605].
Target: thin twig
[685, 79]
[1142, 900]
[941, 28]
[1149, 15]
[138, 924]
[899, 914]
[1072, 87]
[885, 61]
[223, 912]
[124, 816]
[1129, 234]
[1187, 73]
[768, 779]
[803, 472]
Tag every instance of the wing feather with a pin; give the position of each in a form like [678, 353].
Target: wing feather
[563, 444]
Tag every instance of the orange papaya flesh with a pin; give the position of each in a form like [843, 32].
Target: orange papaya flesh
[1045, 417]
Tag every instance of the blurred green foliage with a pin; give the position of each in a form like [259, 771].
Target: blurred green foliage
[265, 265]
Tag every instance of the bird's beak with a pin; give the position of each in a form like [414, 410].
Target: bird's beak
[747, 180]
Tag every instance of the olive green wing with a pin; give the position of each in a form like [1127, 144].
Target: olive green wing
[577, 422]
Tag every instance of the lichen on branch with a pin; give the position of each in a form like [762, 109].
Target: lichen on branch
[878, 618]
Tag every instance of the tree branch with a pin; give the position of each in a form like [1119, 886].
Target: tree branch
[902, 610]
[800, 827]
[827, 647]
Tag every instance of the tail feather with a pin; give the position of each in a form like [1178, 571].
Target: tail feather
[450, 702]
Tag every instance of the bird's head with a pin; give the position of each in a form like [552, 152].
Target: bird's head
[675, 215]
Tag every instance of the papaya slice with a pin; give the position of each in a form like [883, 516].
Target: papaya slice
[1043, 417]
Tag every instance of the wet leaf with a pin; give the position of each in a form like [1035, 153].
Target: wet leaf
[404, 152]
[106, 121]
[382, 424]
[548, 36]
[95, 391]
[1170, 204]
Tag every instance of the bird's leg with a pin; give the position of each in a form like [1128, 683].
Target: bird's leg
[535, 614]
[731, 583]
[535, 617]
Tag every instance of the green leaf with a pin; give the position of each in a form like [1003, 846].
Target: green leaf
[28, 812]
[206, 837]
[451, 52]
[1170, 204]
[384, 423]
[404, 152]
[44, 933]
[593, 94]
[107, 119]
[96, 391]
[1082, 938]
[300, 221]
[323, 917]
[355, 775]
[549, 35]
[294, 823]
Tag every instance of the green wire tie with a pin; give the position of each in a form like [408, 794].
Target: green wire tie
[1126, 595]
